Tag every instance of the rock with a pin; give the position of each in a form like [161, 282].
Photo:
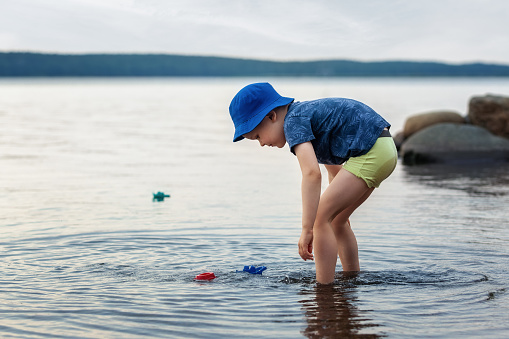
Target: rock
[418, 122]
[450, 143]
[490, 112]
[398, 140]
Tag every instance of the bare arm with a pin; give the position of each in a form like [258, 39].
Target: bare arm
[311, 189]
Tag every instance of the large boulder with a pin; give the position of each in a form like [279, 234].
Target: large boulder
[490, 112]
[449, 143]
[417, 122]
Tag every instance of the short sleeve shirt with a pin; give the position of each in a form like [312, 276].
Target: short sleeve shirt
[338, 128]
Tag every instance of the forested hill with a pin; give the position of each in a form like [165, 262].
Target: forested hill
[112, 65]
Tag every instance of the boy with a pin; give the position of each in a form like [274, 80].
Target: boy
[328, 131]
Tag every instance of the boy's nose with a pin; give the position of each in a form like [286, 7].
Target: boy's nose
[261, 143]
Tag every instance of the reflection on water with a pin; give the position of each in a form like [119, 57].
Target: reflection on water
[477, 179]
[331, 313]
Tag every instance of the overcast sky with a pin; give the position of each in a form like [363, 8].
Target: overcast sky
[454, 31]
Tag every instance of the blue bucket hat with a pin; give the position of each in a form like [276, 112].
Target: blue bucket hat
[251, 105]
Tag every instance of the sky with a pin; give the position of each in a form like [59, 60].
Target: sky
[452, 31]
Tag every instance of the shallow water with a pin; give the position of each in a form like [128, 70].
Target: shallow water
[87, 253]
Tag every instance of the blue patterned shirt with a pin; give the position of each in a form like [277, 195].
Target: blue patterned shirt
[338, 128]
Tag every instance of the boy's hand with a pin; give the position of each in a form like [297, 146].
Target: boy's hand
[306, 245]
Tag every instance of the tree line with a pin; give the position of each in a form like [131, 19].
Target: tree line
[24, 64]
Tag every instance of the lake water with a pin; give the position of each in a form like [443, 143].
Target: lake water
[87, 253]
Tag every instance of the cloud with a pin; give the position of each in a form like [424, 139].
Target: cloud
[449, 30]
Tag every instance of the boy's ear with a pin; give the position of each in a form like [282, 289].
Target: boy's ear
[272, 115]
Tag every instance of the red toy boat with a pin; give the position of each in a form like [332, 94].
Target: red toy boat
[206, 276]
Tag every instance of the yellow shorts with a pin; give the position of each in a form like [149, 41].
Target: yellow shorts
[376, 165]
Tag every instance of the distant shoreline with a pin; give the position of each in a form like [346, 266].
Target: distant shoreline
[28, 64]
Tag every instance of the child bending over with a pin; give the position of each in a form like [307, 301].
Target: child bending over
[329, 131]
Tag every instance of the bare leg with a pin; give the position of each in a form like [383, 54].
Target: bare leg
[347, 245]
[326, 252]
[345, 238]
[344, 194]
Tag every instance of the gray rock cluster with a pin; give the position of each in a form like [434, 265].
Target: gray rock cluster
[448, 137]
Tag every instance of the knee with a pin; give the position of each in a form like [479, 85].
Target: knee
[340, 225]
[320, 225]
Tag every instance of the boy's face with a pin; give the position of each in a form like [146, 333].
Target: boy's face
[270, 132]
